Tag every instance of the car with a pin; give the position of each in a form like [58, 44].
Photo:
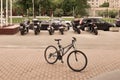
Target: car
[44, 24]
[117, 22]
[101, 24]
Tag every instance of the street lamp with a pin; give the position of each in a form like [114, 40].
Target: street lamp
[6, 12]
[1, 13]
[10, 12]
[33, 8]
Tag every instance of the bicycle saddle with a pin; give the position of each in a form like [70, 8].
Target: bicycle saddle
[57, 39]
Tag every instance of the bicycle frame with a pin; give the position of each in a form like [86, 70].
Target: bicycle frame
[62, 49]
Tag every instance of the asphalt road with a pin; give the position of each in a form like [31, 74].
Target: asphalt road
[105, 40]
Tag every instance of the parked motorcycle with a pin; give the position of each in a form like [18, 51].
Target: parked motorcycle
[24, 27]
[36, 26]
[50, 29]
[76, 26]
[59, 26]
[61, 29]
[92, 28]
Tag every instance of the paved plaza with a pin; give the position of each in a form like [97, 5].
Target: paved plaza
[22, 57]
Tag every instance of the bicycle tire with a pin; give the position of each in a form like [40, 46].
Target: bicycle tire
[80, 67]
[51, 54]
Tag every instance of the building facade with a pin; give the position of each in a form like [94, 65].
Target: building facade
[96, 3]
[114, 3]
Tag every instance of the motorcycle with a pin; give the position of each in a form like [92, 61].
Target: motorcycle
[50, 29]
[59, 26]
[92, 28]
[61, 29]
[24, 27]
[36, 26]
[76, 26]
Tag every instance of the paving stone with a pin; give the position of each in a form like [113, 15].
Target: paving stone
[22, 58]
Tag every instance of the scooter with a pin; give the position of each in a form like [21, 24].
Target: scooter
[24, 27]
[36, 26]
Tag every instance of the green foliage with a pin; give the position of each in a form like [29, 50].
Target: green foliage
[44, 6]
[104, 13]
[58, 12]
[81, 6]
[105, 4]
[67, 7]
[113, 13]
[108, 13]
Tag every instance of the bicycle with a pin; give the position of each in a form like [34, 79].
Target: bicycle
[52, 54]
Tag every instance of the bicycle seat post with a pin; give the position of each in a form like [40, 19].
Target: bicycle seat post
[58, 42]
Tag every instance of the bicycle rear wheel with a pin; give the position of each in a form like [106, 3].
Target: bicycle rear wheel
[77, 61]
[50, 54]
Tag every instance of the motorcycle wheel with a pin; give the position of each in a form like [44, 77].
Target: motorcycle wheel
[61, 31]
[35, 32]
[68, 27]
[27, 30]
[96, 32]
[78, 31]
[22, 32]
[50, 33]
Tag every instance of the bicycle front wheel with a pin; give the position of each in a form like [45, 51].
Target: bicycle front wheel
[50, 54]
[77, 61]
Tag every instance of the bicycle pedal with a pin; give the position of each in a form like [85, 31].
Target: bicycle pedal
[59, 57]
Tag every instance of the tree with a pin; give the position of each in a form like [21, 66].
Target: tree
[44, 5]
[58, 12]
[67, 7]
[49, 6]
[104, 13]
[105, 4]
[113, 13]
[110, 13]
[24, 5]
[80, 7]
